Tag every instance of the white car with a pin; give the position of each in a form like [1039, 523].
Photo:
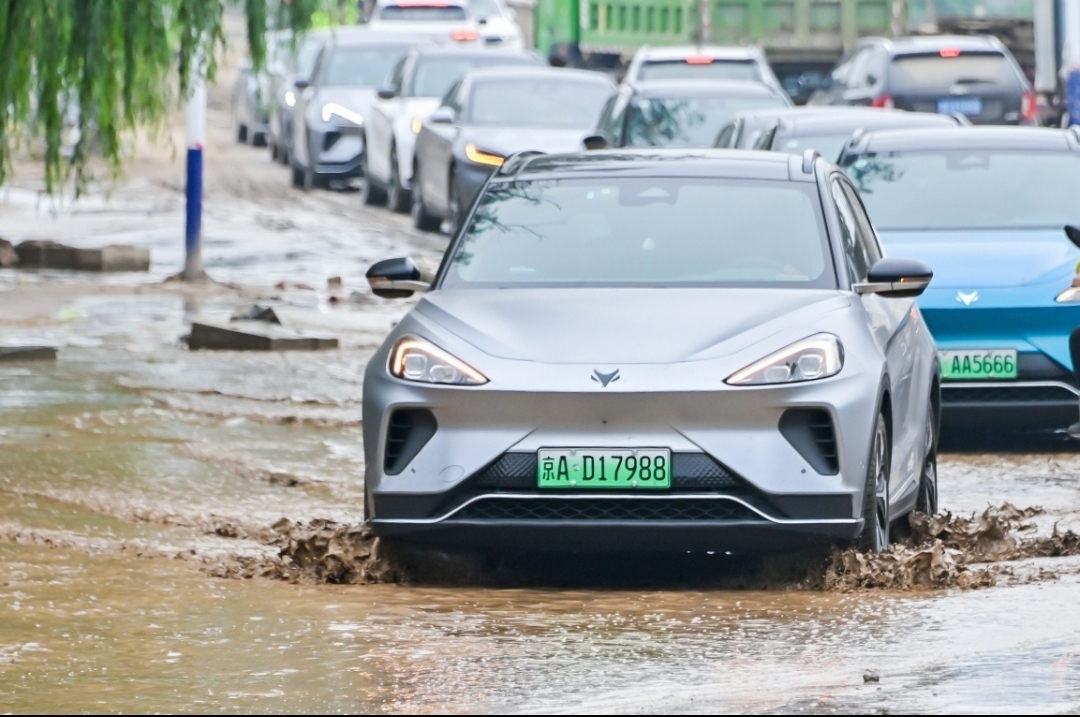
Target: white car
[414, 90]
[487, 23]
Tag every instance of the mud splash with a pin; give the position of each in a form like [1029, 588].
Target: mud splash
[947, 551]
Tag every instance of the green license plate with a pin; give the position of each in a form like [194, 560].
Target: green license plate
[978, 365]
[604, 468]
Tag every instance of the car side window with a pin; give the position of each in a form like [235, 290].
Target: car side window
[317, 69]
[854, 252]
[397, 77]
[613, 128]
[726, 137]
[453, 98]
[866, 234]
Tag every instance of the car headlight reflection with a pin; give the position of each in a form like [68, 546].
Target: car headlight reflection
[290, 98]
[474, 154]
[333, 109]
[415, 359]
[818, 356]
[417, 124]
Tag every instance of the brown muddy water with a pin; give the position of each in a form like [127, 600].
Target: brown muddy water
[132, 469]
[133, 472]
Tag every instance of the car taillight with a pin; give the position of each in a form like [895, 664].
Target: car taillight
[884, 102]
[950, 52]
[464, 35]
[1029, 107]
[699, 60]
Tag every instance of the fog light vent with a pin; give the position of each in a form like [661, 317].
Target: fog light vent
[410, 429]
[810, 431]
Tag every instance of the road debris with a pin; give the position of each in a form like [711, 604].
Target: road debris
[8, 256]
[254, 336]
[256, 312]
[27, 353]
[43, 254]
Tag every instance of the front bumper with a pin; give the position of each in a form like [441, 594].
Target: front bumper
[338, 152]
[1012, 405]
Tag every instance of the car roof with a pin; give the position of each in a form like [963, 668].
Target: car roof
[1019, 138]
[354, 37]
[718, 52]
[921, 44]
[423, 3]
[864, 117]
[437, 50]
[695, 87]
[526, 72]
[726, 163]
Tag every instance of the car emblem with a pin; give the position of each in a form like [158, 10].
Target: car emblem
[967, 299]
[605, 378]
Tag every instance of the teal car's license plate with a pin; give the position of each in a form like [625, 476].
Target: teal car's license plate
[646, 468]
[979, 365]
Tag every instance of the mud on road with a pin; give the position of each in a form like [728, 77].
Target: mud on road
[182, 530]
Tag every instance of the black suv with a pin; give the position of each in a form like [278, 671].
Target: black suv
[973, 76]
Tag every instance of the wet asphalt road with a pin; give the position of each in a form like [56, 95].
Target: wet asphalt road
[132, 467]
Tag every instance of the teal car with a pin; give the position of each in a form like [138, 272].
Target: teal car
[995, 212]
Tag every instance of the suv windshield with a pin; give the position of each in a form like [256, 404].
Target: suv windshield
[571, 104]
[435, 75]
[968, 189]
[422, 13]
[686, 122]
[361, 66]
[937, 74]
[644, 231]
[704, 70]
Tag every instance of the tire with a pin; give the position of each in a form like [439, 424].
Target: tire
[398, 198]
[421, 218]
[258, 139]
[297, 176]
[241, 133]
[372, 195]
[875, 533]
[275, 153]
[927, 500]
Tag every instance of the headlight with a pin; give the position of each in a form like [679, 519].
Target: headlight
[290, 98]
[417, 124]
[333, 109]
[414, 359]
[479, 156]
[818, 356]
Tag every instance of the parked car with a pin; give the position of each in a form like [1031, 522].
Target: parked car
[701, 62]
[413, 91]
[484, 23]
[826, 130]
[970, 75]
[328, 120]
[254, 91]
[299, 63]
[680, 113]
[654, 350]
[994, 211]
[489, 115]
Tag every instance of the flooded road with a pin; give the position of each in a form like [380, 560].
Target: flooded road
[132, 470]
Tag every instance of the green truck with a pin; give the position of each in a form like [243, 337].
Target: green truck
[797, 35]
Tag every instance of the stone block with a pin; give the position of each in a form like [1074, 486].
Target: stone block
[255, 336]
[8, 256]
[38, 254]
[27, 353]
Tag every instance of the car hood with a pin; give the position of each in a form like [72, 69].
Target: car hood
[625, 326]
[999, 258]
[508, 140]
[357, 99]
[419, 106]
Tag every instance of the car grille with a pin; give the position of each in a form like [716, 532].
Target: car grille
[591, 509]
[1006, 394]
[689, 471]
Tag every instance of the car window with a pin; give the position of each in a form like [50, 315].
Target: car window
[858, 263]
[397, 77]
[974, 72]
[539, 102]
[968, 189]
[686, 121]
[360, 66]
[726, 137]
[700, 68]
[434, 75]
[422, 13]
[827, 145]
[838, 78]
[452, 99]
[643, 231]
[867, 237]
[484, 9]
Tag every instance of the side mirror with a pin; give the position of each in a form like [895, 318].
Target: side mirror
[396, 278]
[386, 93]
[443, 115]
[1073, 233]
[302, 84]
[896, 278]
[595, 141]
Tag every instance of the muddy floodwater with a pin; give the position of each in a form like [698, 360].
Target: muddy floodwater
[136, 476]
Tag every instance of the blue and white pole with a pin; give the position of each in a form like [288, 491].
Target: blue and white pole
[196, 137]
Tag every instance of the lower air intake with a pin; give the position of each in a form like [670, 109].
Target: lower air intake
[593, 509]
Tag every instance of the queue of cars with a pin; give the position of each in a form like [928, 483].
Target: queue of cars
[673, 312]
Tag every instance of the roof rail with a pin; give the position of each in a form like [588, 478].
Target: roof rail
[808, 160]
[516, 162]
